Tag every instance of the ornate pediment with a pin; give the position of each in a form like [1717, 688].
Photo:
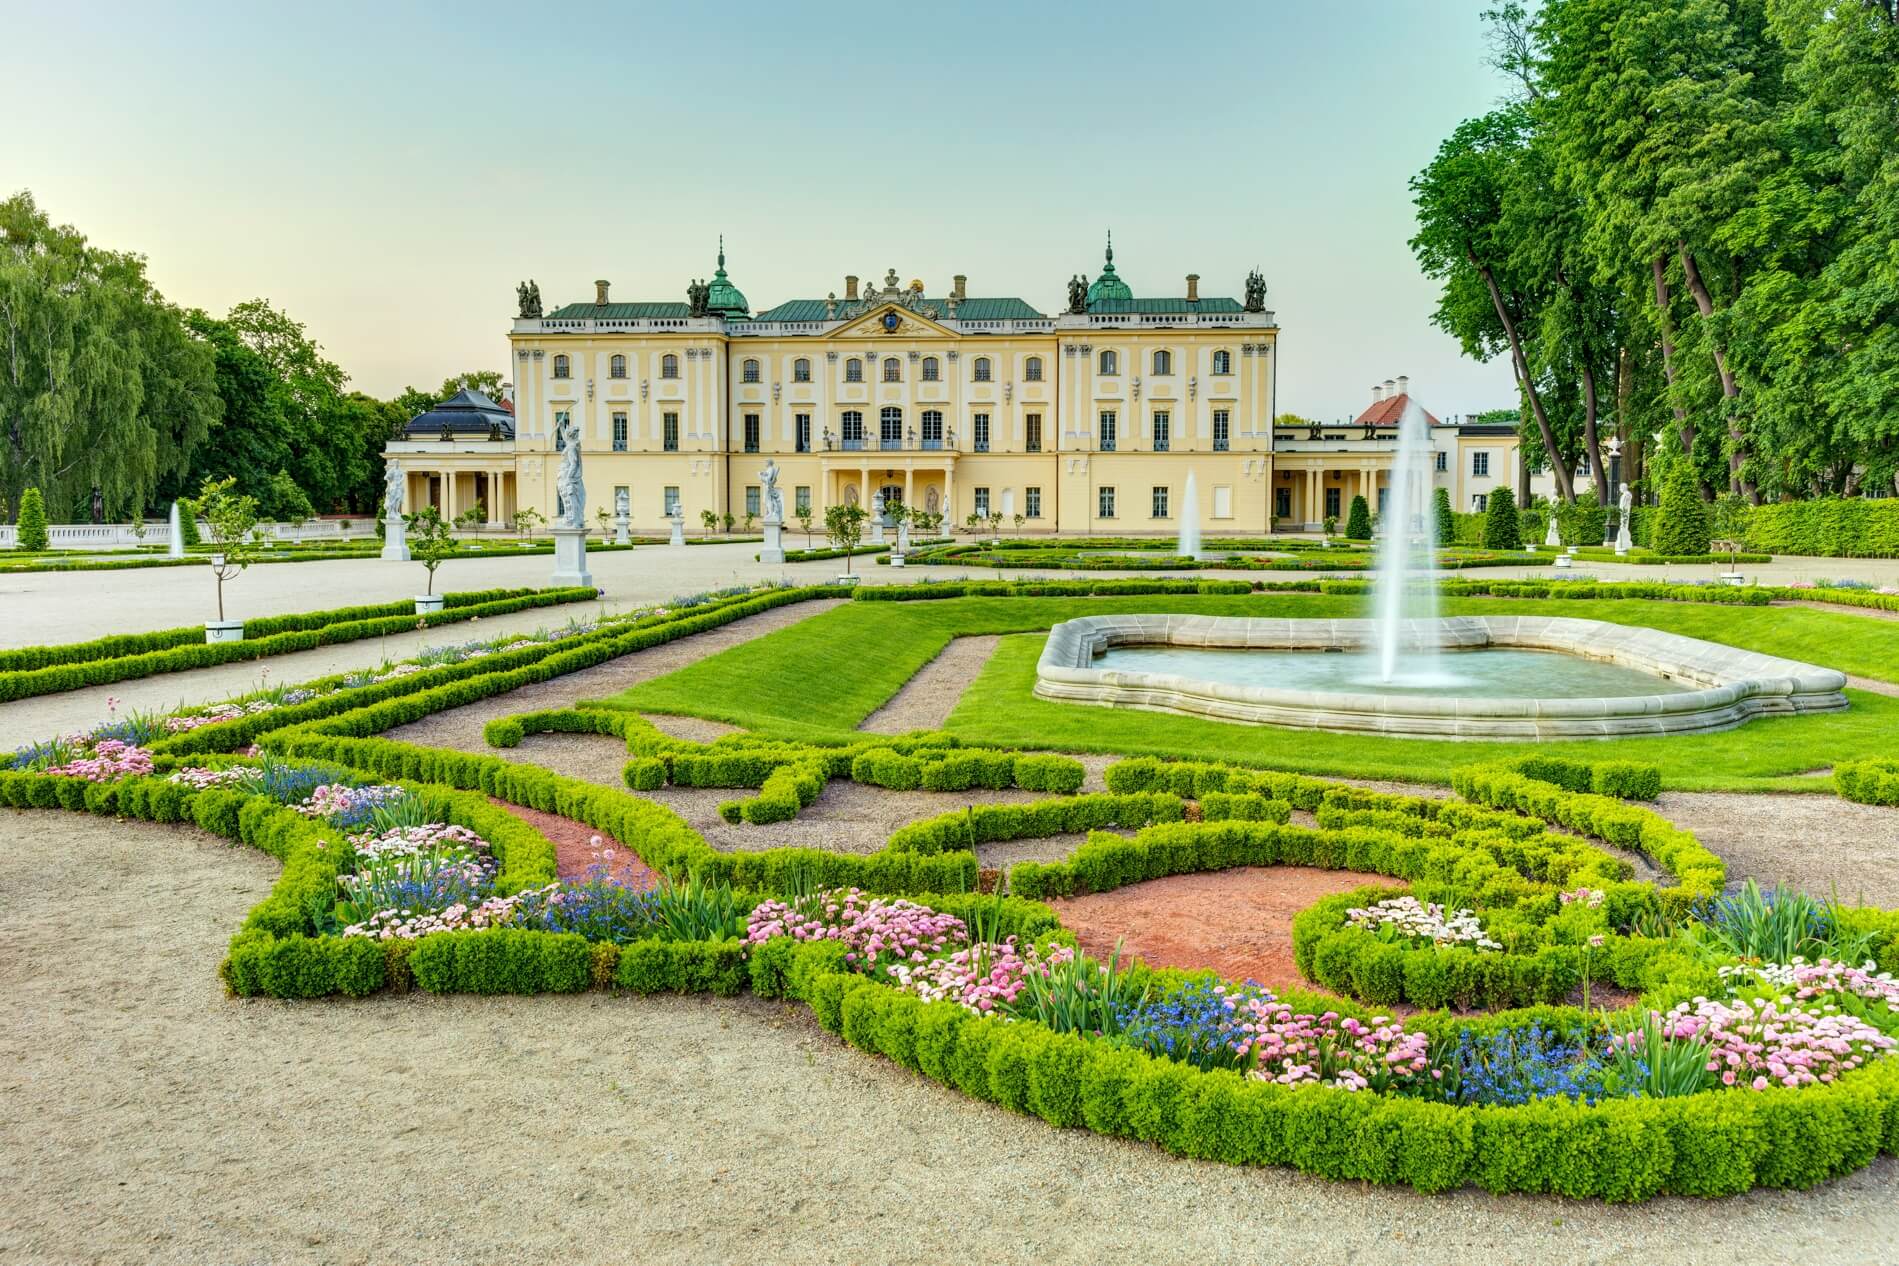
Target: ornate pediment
[893, 320]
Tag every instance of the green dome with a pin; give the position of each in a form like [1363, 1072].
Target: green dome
[1108, 285]
[722, 296]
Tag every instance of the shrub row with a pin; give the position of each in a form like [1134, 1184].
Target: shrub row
[987, 823]
[1195, 780]
[1873, 781]
[1042, 589]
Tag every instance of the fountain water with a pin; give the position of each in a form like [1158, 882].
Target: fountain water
[1189, 546]
[177, 547]
[1405, 584]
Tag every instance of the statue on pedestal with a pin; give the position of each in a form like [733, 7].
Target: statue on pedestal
[1077, 294]
[773, 499]
[573, 493]
[392, 492]
[1255, 292]
[1553, 538]
[620, 506]
[1625, 503]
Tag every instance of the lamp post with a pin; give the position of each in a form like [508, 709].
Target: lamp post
[1611, 519]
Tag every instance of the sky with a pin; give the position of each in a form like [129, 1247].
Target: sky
[387, 173]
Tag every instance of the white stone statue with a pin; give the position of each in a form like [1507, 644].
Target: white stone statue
[1624, 503]
[392, 490]
[573, 492]
[877, 506]
[620, 506]
[774, 500]
[1553, 538]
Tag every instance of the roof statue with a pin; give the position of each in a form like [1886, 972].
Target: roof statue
[528, 295]
[1255, 292]
[697, 294]
[1077, 294]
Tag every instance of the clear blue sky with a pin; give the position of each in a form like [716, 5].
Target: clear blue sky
[387, 173]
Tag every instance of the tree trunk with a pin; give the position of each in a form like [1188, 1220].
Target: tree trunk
[1590, 446]
[1729, 387]
[1683, 427]
[1564, 488]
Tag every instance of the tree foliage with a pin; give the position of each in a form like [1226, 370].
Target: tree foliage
[1503, 527]
[1358, 521]
[32, 533]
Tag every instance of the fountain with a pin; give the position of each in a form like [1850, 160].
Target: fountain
[1405, 581]
[1189, 546]
[176, 549]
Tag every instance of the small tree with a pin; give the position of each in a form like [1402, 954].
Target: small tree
[233, 522]
[994, 520]
[431, 540]
[1358, 522]
[1443, 524]
[602, 518]
[1020, 519]
[471, 518]
[844, 527]
[525, 521]
[804, 521]
[33, 533]
[1731, 516]
[1330, 526]
[729, 522]
[287, 501]
[1502, 528]
[751, 516]
[1682, 521]
[711, 520]
[137, 523]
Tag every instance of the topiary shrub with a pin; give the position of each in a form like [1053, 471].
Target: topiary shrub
[32, 520]
[1358, 522]
[1682, 524]
[1443, 519]
[1502, 530]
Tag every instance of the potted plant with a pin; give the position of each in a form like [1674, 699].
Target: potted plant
[844, 527]
[994, 519]
[711, 520]
[431, 540]
[233, 523]
[1020, 519]
[804, 521]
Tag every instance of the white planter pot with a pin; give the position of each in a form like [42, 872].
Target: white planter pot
[425, 603]
[224, 630]
[1733, 578]
[850, 580]
[1562, 560]
[896, 560]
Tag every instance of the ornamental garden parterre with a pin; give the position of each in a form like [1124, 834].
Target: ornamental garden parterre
[1522, 1012]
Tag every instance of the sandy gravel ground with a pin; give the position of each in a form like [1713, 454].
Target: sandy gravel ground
[927, 699]
[150, 1119]
[1819, 843]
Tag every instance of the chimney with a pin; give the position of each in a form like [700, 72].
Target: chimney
[850, 288]
[1391, 388]
[1193, 287]
[1377, 393]
[957, 291]
[1404, 385]
[600, 294]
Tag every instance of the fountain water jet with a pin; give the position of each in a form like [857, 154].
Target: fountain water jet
[1405, 582]
[1189, 546]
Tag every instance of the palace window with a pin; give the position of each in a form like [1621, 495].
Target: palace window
[982, 369]
[1333, 496]
[1104, 503]
[1110, 364]
[1032, 369]
[750, 370]
[560, 429]
[616, 366]
[1222, 430]
[1479, 502]
[893, 369]
[1032, 430]
[1163, 431]
[932, 370]
[982, 503]
[560, 366]
[619, 432]
[1160, 501]
[1032, 502]
[890, 427]
[852, 425]
[669, 426]
[751, 499]
[1443, 461]
[751, 432]
[1223, 362]
[981, 426]
[671, 499]
[853, 370]
[1163, 361]
[933, 428]
[801, 499]
[1108, 421]
[801, 370]
[801, 431]
[669, 366]
[1480, 463]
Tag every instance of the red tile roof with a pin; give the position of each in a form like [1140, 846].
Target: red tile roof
[1386, 412]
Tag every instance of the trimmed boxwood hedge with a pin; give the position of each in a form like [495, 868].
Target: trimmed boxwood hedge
[1873, 781]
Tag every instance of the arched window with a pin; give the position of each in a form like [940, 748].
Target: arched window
[1032, 371]
[1110, 364]
[616, 367]
[931, 370]
[982, 369]
[853, 370]
[1223, 362]
[669, 366]
[560, 366]
[893, 369]
[749, 370]
[1163, 361]
[801, 370]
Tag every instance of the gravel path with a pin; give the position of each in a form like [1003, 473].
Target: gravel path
[149, 1118]
[1819, 843]
[927, 699]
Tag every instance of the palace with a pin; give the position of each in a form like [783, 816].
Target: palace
[1087, 422]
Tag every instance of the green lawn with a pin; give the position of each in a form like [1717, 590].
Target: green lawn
[825, 675]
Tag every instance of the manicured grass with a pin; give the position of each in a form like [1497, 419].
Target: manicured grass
[824, 676]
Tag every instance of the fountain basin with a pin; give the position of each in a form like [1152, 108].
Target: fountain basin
[1697, 685]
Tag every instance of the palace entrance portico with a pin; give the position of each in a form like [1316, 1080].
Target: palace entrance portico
[924, 478]
[1309, 488]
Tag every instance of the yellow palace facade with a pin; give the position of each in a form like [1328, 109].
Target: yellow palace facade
[1085, 422]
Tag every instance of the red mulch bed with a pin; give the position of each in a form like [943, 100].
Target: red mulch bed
[1238, 922]
[575, 852]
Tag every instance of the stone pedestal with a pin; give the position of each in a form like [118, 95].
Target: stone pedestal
[570, 557]
[876, 530]
[774, 547]
[1622, 541]
[620, 534]
[903, 537]
[395, 541]
[679, 531]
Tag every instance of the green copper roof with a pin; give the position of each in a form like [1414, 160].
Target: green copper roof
[1162, 306]
[617, 311]
[723, 297]
[1108, 287]
[1005, 309]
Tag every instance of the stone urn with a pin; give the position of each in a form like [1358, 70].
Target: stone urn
[224, 630]
[427, 602]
